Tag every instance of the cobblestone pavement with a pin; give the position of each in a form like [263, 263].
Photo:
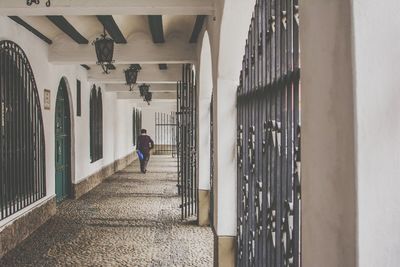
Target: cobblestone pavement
[130, 219]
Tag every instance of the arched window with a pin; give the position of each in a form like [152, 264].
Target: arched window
[134, 128]
[96, 124]
[22, 147]
[136, 124]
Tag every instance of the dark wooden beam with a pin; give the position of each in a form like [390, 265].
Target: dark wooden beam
[112, 28]
[162, 66]
[68, 29]
[156, 28]
[85, 67]
[198, 25]
[31, 29]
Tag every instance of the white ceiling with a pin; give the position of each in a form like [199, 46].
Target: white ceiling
[131, 17]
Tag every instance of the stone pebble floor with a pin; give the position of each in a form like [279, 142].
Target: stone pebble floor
[131, 219]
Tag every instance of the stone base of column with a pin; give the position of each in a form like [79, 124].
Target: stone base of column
[224, 251]
[204, 208]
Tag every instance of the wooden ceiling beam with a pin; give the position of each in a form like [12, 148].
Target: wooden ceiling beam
[163, 66]
[31, 29]
[139, 51]
[170, 76]
[112, 28]
[198, 25]
[102, 7]
[156, 95]
[63, 24]
[154, 87]
[156, 28]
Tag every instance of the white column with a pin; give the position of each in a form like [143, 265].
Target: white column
[228, 33]
[328, 145]
[205, 86]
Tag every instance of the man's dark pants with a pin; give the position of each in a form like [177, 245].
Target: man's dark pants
[144, 161]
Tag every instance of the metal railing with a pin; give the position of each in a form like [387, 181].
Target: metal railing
[268, 139]
[165, 139]
[186, 141]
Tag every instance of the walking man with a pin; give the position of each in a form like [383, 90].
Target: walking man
[144, 144]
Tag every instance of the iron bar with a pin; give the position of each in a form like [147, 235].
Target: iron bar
[268, 139]
[186, 141]
[165, 128]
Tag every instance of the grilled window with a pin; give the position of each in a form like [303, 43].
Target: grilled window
[22, 146]
[96, 124]
[136, 124]
[78, 98]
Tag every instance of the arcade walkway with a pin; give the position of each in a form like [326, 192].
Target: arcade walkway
[129, 220]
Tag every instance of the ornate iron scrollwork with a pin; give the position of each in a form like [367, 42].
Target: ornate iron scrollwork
[268, 139]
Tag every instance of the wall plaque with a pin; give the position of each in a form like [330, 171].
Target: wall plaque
[47, 98]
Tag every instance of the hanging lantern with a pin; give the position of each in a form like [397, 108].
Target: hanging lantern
[37, 2]
[148, 96]
[104, 51]
[144, 89]
[131, 75]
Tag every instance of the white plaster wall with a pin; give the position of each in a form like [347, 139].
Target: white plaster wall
[123, 140]
[228, 33]
[377, 83]
[48, 76]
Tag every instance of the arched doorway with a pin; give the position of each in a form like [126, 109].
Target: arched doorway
[62, 143]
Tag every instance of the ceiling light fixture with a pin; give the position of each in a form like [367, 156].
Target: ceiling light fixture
[104, 51]
[131, 75]
[145, 93]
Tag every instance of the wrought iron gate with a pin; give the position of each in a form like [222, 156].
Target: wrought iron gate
[269, 139]
[186, 141]
[165, 141]
[22, 154]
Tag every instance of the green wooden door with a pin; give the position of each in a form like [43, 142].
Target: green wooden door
[62, 144]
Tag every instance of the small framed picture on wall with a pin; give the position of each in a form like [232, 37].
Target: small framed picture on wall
[47, 99]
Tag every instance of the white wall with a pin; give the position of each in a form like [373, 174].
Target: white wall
[377, 84]
[117, 126]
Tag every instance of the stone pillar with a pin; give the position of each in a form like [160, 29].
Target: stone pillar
[225, 172]
[329, 196]
[203, 123]
[228, 33]
[204, 162]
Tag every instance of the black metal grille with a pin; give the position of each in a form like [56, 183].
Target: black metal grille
[269, 139]
[22, 147]
[165, 140]
[186, 141]
[136, 124]
[96, 124]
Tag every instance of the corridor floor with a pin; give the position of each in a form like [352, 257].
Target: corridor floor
[130, 219]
